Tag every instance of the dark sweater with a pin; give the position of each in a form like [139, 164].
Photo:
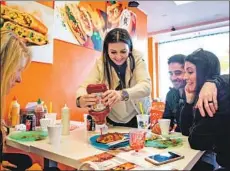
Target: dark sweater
[173, 107]
[210, 133]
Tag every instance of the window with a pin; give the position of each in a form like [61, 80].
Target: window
[218, 43]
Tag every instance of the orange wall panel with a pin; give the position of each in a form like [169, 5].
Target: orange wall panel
[150, 61]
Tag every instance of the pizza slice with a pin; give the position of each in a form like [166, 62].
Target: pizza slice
[110, 137]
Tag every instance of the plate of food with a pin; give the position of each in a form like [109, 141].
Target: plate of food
[161, 142]
[29, 136]
[110, 141]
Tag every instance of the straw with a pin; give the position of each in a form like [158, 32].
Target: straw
[141, 108]
[51, 106]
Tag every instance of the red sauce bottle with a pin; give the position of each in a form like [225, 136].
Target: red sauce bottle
[98, 111]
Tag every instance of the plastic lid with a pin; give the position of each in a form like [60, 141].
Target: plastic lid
[65, 107]
[39, 101]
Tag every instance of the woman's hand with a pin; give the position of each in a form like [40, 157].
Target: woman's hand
[110, 97]
[208, 99]
[190, 94]
[86, 101]
[5, 165]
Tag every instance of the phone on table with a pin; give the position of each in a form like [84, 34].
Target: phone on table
[164, 157]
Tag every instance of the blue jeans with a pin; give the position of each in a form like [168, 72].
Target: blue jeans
[210, 157]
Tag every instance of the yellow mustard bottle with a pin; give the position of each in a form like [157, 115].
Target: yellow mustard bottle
[14, 112]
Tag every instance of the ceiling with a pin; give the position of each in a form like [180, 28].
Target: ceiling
[163, 15]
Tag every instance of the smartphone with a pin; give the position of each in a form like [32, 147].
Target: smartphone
[163, 158]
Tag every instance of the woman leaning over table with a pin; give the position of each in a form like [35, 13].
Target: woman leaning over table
[207, 133]
[125, 73]
[14, 58]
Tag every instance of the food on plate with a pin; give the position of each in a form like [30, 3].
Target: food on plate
[114, 12]
[25, 33]
[24, 25]
[29, 135]
[74, 24]
[124, 166]
[85, 20]
[164, 143]
[110, 137]
[23, 19]
[35, 137]
[151, 136]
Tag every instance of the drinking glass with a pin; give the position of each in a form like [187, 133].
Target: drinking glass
[137, 139]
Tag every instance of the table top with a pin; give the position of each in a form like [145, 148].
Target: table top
[76, 146]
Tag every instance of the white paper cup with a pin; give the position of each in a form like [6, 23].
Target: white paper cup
[164, 125]
[142, 121]
[44, 122]
[52, 116]
[54, 134]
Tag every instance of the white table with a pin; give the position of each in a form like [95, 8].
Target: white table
[75, 147]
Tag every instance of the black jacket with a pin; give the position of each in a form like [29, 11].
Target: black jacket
[173, 107]
[210, 133]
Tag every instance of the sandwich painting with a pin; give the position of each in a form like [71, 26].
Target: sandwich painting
[33, 23]
[79, 23]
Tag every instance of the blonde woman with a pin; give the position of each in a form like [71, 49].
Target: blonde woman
[15, 56]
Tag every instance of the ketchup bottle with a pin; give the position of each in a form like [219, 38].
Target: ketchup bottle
[98, 111]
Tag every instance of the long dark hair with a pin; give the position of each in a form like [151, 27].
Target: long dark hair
[114, 36]
[207, 66]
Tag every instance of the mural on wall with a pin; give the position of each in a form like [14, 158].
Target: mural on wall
[79, 23]
[119, 16]
[33, 23]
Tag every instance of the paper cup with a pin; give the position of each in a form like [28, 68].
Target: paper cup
[142, 121]
[44, 122]
[54, 134]
[52, 116]
[164, 125]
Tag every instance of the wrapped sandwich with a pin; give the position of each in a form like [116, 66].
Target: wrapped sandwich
[71, 17]
[24, 25]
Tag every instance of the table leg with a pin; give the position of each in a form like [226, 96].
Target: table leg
[49, 163]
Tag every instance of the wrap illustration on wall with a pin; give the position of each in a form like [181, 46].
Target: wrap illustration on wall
[33, 23]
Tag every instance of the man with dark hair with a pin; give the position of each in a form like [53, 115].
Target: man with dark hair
[175, 96]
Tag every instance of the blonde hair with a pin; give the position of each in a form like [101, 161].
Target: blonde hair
[13, 51]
